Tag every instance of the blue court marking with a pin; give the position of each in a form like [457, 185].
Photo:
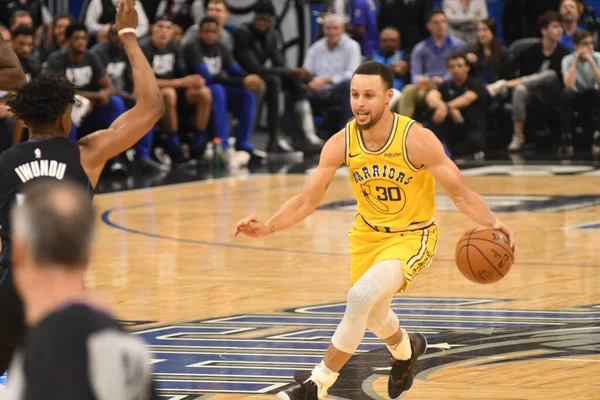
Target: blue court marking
[187, 332]
[3, 379]
[107, 220]
[246, 344]
[215, 386]
[169, 358]
[595, 225]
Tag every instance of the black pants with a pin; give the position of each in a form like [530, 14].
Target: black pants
[335, 95]
[12, 318]
[460, 139]
[586, 103]
[275, 85]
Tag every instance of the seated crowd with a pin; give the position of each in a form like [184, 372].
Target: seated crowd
[452, 74]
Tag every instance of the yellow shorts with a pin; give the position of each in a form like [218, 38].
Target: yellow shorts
[414, 248]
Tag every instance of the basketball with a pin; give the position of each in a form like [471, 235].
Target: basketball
[484, 256]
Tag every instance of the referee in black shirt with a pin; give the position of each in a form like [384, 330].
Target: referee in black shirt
[73, 349]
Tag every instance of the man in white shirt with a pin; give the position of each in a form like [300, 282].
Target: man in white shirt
[581, 76]
[330, 62]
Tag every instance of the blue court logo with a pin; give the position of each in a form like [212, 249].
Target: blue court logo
[259, 353]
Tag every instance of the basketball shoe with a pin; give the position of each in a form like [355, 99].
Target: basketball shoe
[401, 375]
[306, 391]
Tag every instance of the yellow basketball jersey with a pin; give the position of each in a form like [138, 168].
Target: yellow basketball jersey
[389, 190]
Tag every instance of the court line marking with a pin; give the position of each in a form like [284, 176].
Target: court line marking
[106, 220]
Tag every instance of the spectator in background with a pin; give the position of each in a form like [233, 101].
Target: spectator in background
[540, 73]
[177, 34]
[408, 17]
[581, 76]
[184, 13]
[218, 10]
[100, 14]
[36, 10]
[520, 17]
[56, 39]
[570, 12]
[458, 105]
[429, 62]
[113, 58]
[20, 18]
[489, 59]
[389, 53]
[231, 87]
[463, 17]
[257, 50]
[91, 81]
[331, 61]
[362, 25]
[22, 43]
[170, 70]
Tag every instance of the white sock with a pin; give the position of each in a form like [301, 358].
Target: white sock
[324, 378]
[402, 349]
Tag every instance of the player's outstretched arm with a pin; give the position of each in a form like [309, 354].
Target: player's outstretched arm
[12, 76]
[302, 205]
[424, 149]
[131, 126]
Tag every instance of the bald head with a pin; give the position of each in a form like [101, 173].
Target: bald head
[55, 221]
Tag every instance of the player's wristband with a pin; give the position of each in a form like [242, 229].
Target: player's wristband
[127, 30]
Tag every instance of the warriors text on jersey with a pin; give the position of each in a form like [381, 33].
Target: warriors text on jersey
[395, 204]
[389, 190]
[53, 158]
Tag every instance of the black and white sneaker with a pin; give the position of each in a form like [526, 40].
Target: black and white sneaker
[116, 167]
[306, 391]
[149, 166]
[401, 375]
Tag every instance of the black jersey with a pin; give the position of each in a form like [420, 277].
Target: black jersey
[80, 353]
[52, 158]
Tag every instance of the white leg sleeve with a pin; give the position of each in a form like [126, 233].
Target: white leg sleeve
[377, 285]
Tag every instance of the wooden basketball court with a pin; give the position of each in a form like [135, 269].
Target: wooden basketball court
[167, 262]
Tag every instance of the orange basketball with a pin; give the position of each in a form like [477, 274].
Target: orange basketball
[484, 256]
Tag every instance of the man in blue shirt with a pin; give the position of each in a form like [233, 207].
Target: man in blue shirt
[390, 54]
[362, 25]
[570, 12]
[428, 65]
[232, 88]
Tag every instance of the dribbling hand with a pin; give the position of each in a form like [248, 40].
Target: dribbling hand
[508, 232]
[127, 16]
[251, 227]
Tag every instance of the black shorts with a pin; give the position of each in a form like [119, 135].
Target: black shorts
[12, 318]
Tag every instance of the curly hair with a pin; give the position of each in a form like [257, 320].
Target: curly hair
[43, 100]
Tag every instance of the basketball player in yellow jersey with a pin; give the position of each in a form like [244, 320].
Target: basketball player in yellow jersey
[393, 162]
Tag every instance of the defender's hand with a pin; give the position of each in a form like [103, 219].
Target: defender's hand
[252, 227]
[127, 16]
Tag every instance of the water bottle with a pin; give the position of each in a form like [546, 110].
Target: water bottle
[217, 160]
